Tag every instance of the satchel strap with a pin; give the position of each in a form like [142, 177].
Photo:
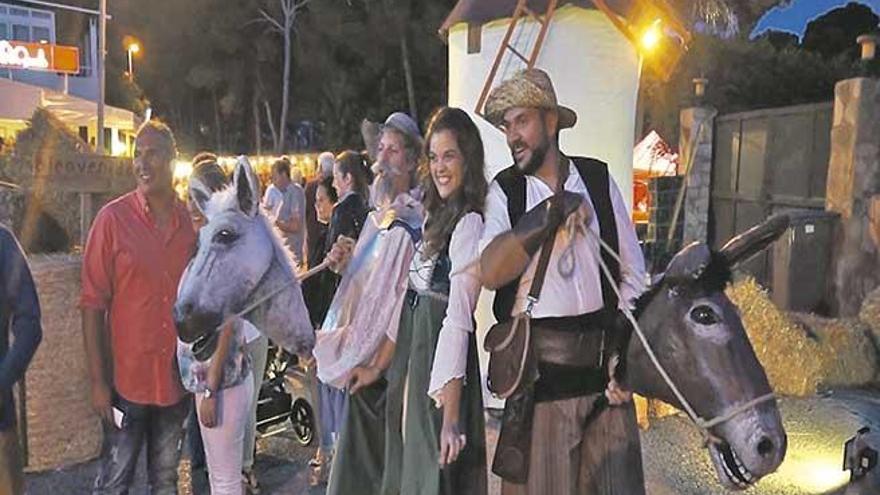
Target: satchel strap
[540, 272]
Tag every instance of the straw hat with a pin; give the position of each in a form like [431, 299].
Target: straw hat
[527, 88]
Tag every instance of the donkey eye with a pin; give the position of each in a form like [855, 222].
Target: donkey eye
[704, 315]
[225, 236]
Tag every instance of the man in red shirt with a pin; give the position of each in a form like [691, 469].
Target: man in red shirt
[137, 250]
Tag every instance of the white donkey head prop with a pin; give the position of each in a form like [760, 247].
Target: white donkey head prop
[241, 266]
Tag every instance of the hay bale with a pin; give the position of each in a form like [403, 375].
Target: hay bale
[648, 409]
[62, 429]
[803, 353]
[870, 312]
[848, 356]
[776, 338]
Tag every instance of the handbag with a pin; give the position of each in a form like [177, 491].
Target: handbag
[512, 364]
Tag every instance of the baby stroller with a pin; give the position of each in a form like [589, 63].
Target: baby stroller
[287, 398]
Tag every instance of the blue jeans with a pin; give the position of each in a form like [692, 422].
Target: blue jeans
[161, 429]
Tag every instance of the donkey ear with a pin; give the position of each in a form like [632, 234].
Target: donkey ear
[247, 187]
[688, 263]
[756, 239]
[199, 194]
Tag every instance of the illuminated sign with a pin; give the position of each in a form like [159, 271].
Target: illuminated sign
[39, 56]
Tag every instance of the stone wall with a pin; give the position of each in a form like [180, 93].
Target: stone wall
[61, 427]
[696, 137]
[853, 188]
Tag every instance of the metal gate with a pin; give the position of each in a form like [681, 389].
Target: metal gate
[766, 161]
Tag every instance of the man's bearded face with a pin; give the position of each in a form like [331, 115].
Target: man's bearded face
[391, 168]
[527, 136]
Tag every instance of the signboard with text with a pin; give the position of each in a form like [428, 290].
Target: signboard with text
[45, 57]
[84, 172]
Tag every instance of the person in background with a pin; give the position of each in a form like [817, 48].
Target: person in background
[325, 170]
[349, 179]
[285, 202]
[20, 316]
[318, 292]
[296, 177]
[137, 250]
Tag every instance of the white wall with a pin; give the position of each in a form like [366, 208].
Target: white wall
[594, 69]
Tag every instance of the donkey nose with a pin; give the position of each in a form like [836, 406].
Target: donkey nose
[766, 446]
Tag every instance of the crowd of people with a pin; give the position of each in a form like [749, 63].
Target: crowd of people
[410, 237]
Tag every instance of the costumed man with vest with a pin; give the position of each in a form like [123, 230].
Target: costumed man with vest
[568, 427]
[357, 341]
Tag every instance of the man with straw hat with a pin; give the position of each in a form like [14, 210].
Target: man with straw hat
[570, 428]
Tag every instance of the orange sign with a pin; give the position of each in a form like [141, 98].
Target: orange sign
[39, 56]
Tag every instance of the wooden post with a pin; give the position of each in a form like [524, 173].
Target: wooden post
[85, 216]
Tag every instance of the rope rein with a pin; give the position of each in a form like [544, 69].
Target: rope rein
[299, 278]
[702, 424]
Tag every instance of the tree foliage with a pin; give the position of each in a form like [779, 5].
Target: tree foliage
[773, 70]
[212, 72]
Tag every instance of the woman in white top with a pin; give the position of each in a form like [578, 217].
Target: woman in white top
[442, 448]
[219, 372]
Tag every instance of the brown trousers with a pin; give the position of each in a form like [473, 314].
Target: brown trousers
[568, 458]
[11, 475]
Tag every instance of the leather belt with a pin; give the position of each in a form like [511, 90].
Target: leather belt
[581, 348]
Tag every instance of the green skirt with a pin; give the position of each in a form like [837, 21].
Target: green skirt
[412, 466]
[377, 454]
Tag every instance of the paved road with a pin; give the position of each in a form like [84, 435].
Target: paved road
[675, 463]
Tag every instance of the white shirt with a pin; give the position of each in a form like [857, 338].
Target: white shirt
[581, 291]
[284, 205]
[450, 356]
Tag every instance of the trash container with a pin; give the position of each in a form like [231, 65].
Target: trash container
[801, 259]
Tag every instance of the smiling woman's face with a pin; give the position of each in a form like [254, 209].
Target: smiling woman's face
[446, 163]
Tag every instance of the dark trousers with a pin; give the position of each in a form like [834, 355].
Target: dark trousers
[161, 430]
[194, 441]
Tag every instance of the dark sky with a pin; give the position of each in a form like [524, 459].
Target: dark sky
[796, 17]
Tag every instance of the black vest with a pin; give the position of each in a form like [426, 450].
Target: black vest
[594, 173]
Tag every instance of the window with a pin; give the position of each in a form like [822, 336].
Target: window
[474, 37]
[40, 15]
[40, 34]
[18, 12]
[21, 33]
[4, 31]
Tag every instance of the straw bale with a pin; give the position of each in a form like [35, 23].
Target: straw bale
[848, 356]
[61, 427]
[778, 341]
[870, 312]
[801, 353]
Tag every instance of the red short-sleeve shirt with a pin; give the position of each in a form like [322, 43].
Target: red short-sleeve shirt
[131, 269]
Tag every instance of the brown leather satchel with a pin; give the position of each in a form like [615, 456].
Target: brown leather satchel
[512, 363]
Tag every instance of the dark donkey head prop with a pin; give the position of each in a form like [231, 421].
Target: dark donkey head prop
[698, 337]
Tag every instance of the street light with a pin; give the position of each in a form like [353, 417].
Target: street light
[131, 47]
